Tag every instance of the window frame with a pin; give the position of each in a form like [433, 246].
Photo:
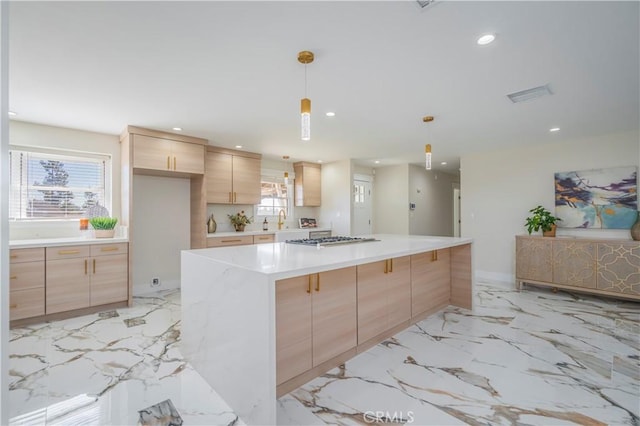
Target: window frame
[276, 176]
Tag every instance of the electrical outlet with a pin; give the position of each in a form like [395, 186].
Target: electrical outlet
[155, 282]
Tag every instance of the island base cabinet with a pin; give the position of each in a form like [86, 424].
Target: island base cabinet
[315, 320]
[384, 296]
[430, 281]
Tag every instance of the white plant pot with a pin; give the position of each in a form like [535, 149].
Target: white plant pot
[104, 233]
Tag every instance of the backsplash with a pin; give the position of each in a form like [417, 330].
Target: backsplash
[220, 212]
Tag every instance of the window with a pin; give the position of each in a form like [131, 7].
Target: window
[47, 184]
[275, 197]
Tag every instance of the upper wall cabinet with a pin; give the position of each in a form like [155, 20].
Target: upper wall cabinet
[307, 184]
[232, 177]
[159, 154]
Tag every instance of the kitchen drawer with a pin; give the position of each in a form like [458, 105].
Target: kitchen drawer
[26, 303]
[26, 255]
[26, 275]
[230, 241]
[109, 249]
[266, 238]
[65, 252]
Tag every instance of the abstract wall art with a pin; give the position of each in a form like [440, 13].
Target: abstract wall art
[599, 198]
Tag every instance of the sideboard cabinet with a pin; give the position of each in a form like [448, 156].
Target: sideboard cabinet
[598, 266]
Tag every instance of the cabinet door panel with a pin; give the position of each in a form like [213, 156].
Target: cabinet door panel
[334, 314]
[574, 263]
[26, 255]
[109, 276]
[293, 328]
[151, 153]
[246, 180]
[372, 299]
[26, 275]
[399, 291]
[26, 303]
[67, 285]
[619, 267]
[534, 259]
[218, 178]
[188, 157]
[430, 280]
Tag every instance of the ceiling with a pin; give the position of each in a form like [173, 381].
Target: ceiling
[228, 72]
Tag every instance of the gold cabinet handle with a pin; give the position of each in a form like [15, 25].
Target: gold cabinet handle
[386, 266]
[235, 198]
[309, 286]
[13, 306]
[391, 263]
[68, 251]
[317, 282]
[94, 266]
[230, 241]
[174, 163]
[13, 256]
[85, 266]
[168, 162]
[109, 249]
[434, 255]
[13, 277]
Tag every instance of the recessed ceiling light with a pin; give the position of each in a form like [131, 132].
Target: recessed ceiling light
[239, 146]
[486, 39]
[444, 163]
[12, 114]
[319, 161]
[331, 114]
[554, 129]
[377, 161]
[177, 129]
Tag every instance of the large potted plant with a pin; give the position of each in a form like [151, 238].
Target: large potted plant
[239, 220]
[103, 226]
[542, 218]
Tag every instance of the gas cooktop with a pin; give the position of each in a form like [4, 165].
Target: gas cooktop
[331, 241]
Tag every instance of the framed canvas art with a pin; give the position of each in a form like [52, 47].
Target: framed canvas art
[599, 198]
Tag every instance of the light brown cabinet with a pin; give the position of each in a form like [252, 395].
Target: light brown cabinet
[86, 275]
[240, 240]
[384, 296]
[26, 283]
[430, 281]
[166, 155]
[606, 267]
[232, 177]
[264, 238]
[307, 185]
[316, 320]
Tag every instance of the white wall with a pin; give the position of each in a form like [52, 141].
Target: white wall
[37, 135]
[432, 192]
[336, 196]
[161, 218]
[391, 200]
[498, 189]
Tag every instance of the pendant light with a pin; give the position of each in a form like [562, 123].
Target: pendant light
[286, 178]
[305, 57]
[427, 147]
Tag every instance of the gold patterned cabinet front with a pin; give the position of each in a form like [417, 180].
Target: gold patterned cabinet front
[574, 263]
[619, 267]
[534, 259]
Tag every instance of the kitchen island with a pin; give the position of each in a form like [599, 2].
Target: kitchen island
[260, 320]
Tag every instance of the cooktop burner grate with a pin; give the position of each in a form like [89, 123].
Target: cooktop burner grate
[330, 241]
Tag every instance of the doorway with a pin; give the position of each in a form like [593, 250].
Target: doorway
[361, 205]
[456, 210]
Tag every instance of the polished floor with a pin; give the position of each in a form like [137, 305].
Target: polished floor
[530, 357]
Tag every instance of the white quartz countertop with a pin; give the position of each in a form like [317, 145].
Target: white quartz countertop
[282, 260]
[270, 231]
[56, 242]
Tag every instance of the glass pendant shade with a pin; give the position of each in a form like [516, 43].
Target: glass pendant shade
[427, 154]
[305, 123]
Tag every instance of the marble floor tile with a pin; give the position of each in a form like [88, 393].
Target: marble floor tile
[520, 357]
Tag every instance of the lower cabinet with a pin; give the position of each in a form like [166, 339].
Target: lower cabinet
[240, 240]
[26, 283]
[430, 280]
[84, 276]
[384, 296]
[316, 320]
[619, 267]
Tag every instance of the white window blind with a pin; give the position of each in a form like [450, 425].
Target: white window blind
[46, 185]
[275, 197]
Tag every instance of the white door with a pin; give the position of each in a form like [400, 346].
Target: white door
[361, 193]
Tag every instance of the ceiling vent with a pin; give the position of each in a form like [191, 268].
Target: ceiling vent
[424, 3]
[529, 94]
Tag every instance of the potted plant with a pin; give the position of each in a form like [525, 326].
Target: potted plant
[542, 218]
[103, 226]
[239, 220]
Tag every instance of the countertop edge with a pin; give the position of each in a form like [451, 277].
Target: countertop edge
[57, 242]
